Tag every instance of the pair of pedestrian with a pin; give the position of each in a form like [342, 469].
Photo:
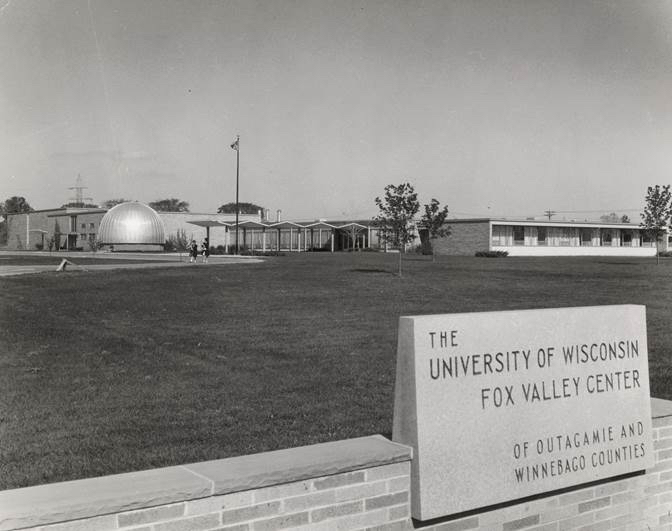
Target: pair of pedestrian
[193, 251]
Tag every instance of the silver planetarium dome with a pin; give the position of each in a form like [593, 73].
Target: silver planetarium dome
[131, 223]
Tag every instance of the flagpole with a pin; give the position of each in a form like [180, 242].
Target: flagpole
[237, 181]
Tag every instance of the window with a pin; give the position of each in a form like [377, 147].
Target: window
[586, 237]
[82, 236]
[73, 224]
[499, 234]
[605, 236]
[565, 236]
[92, 236]
[92, 225]
[518, 235]
[541, 236]
[83, 225]
[626, 239]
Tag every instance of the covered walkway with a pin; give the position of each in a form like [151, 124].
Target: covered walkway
[292, 236]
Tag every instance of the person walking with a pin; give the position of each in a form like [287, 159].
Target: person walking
[205, 250]
[193, 252]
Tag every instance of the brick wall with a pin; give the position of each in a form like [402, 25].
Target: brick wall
[16, 232]
[52, 221]
[465, 239]
[343, 485]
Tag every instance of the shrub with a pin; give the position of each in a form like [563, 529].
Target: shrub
[262, 253]
[423, 248]
[177, 242]
[492, 254]
[665, 254]
[94, 243]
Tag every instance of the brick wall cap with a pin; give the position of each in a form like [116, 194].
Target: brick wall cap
[296, 464]
[85, 498]
[661, 408]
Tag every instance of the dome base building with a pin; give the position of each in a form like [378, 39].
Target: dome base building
[132, 226]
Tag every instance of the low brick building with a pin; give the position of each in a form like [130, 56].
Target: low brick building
[546, 238]
[67, 228]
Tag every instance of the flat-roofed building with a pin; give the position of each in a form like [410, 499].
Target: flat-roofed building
[546, 238]
[68, 228]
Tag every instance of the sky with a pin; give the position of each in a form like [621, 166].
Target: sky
[495, 108]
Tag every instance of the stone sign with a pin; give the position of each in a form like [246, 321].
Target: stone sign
[502, 405]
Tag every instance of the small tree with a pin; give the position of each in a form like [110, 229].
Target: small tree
[434, 222]
[397, 208]
[170, 205]
[657, 214]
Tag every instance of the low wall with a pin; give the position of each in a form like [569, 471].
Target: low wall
[345, 485]
[548, 250]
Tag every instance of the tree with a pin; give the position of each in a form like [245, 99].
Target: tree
[434, 222]
[170, 205]
[75, 204]
[244, 208]
[657, 213]
[614, 218]
[109, 203]
[397, 208]
[610, 218]
[16, 205]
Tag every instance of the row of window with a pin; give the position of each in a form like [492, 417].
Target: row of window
[84, 236]
[504, 235]
[91, 225]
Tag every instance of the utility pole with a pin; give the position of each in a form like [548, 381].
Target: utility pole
[236, 146]
[550, 214]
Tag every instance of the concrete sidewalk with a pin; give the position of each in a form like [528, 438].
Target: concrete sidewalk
[11, 270]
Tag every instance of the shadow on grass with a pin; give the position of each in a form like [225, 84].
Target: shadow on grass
[364, 270]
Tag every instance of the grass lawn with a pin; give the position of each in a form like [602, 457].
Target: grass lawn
[111, 371]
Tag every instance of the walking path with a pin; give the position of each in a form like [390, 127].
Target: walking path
[144, 261]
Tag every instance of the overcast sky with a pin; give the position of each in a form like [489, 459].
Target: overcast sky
[493, 107]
